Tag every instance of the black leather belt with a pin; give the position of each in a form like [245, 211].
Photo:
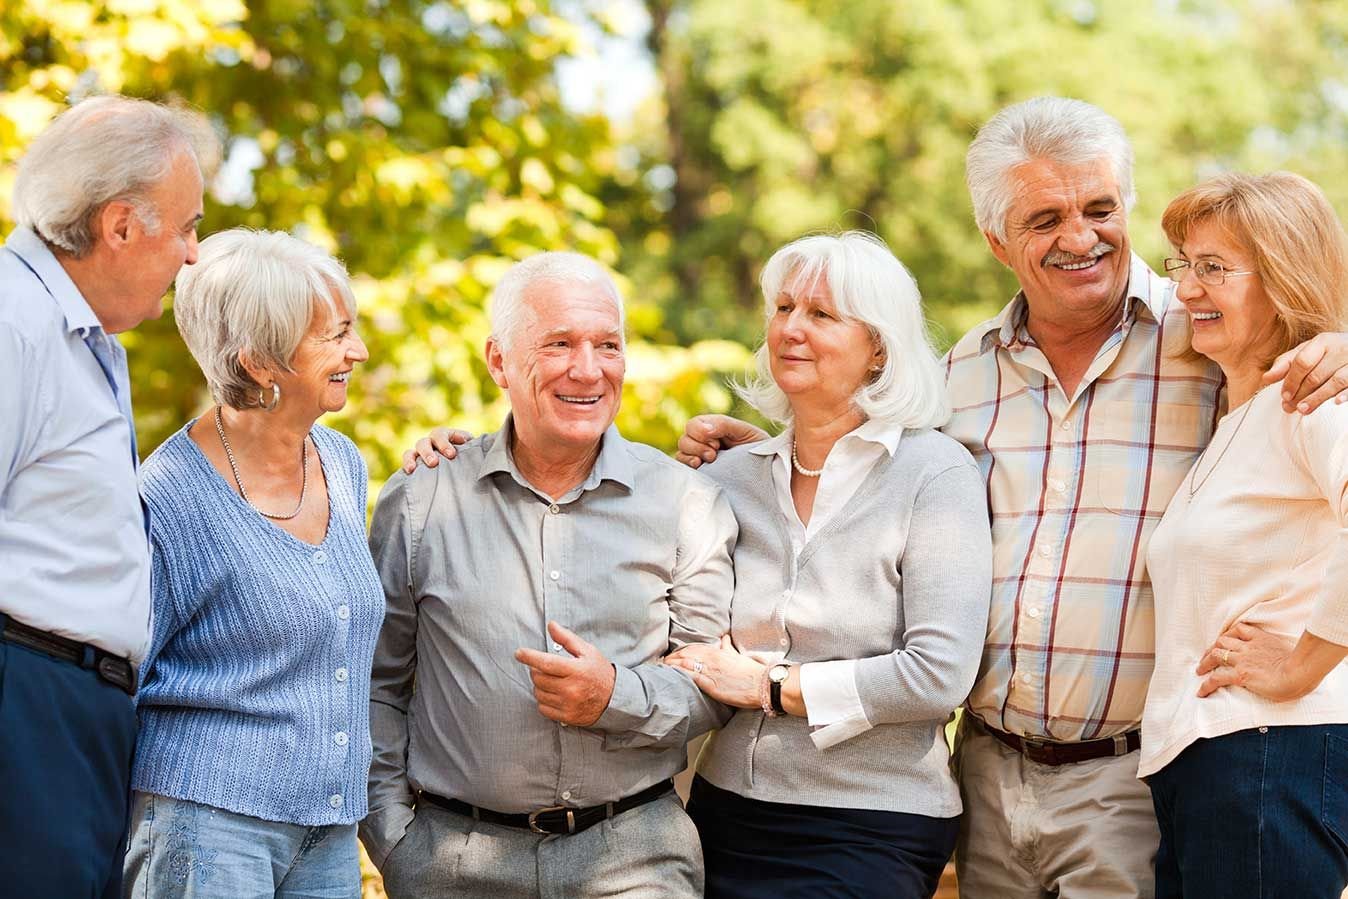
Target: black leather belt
[113, 669]
[556, 818]
[1047, 752]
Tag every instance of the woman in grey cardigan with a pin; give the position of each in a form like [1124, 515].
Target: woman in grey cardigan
[861, 598]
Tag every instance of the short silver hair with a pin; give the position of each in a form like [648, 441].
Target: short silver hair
[1066, 131]
[869, 285]
[507, 297]
[104, 149]
[253, 293]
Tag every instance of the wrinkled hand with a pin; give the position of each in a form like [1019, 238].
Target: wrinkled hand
[722, 672]
[705, 435]
[573, 690]
[429, 449]
[1251, 657]
[1312, 373]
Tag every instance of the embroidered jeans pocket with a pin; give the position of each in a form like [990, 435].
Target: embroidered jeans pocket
[1334, 803]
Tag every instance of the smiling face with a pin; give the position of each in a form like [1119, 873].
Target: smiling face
[564, 369]
[322, 363]
[1234, 324]
[816, 357]
[1067, 239]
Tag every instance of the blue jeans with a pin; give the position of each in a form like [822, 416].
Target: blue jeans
[1261, 813]
[186, 850]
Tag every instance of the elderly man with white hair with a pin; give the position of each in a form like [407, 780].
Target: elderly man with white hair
[1084, 413]
[525, 732]
[107, 201]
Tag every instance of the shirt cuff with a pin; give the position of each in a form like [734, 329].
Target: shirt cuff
[627, 706]
[832, 702]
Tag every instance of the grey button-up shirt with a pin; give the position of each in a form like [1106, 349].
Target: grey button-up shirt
[475, 562]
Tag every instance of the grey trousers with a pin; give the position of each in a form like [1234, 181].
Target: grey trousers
[649, 852]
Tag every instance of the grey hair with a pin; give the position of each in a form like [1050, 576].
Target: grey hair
[100, 150]
[253, 294]
[507, 297]
[1066, 131]
[869, 285]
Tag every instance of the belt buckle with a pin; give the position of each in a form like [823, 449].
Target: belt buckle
[570, 818]
[1030, 746]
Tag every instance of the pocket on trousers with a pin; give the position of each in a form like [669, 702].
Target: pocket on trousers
[1334, 802]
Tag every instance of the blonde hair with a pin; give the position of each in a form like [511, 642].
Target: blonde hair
[870, 286]
[1296, 242]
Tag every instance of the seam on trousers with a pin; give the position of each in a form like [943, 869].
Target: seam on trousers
[1259, 856]
[149, 844]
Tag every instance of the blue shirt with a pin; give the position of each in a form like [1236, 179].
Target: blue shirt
[255, 693]
[73, 554]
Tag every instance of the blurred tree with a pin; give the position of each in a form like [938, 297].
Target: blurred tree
[422, 142]
[781, 117]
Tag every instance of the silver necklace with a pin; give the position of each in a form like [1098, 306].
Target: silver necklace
[795, 463]
[1194, 482]
[234, 467]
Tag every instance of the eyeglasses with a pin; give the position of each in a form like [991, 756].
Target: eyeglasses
[1210, 273]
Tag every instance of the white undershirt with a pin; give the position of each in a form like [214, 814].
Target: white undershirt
[832, 702]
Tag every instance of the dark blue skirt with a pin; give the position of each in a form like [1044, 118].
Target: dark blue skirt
[775, 850]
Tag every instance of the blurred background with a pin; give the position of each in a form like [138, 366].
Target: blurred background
[429, 144]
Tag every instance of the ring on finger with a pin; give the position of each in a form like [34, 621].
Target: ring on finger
[1226, 656]
[697, 667]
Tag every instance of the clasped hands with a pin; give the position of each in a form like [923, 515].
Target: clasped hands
[574, 689]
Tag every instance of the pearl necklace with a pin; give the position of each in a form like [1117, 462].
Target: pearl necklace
[795, 463]
[233, 466]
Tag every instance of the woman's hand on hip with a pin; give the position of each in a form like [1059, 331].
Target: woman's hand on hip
[1266, 664]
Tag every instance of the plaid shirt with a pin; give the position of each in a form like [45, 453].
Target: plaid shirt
[1075, 487]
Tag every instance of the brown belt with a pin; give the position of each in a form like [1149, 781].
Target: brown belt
[1046, 752]
[113, 669]
[554, 819]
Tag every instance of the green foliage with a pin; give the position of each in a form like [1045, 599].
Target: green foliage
[422, 142]
[780, 117]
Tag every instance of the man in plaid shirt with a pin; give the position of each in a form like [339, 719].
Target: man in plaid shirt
[1085, 412]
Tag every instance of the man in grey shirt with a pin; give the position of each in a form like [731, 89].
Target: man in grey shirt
[524, 729]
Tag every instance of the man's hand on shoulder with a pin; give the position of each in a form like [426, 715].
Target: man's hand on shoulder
[440, 442]
[705, 435]
[1312, 373]
[573, 689]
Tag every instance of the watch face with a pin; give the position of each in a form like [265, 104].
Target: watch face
[778, 673]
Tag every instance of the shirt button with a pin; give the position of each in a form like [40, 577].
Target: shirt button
[783, 641]
[556, 647]
[1033, 613]
[1046, 551]
[554, 574]
[340, 738]
[343, 611]
[335, 800]
[1057, 486]
[554, 508]
[566, 794]
[1066, 424]
[1026, 679]
[340, 674]
[320, 557]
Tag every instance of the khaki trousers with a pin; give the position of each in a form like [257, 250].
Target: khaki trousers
[1078, 831]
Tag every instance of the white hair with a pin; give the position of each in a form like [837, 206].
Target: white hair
[870, 286]
[101, 150]
[253, 293]
[1066, 131]
[507, 298]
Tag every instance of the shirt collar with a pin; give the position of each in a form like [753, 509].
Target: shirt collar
[613, 464]
[1147, 295]
[870, 431]
[25, 244]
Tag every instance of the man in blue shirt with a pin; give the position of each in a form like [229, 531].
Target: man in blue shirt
[107, 201]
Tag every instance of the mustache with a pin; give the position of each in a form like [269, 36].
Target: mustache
[1062, 257]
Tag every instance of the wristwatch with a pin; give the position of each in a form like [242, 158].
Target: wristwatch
[777, 675]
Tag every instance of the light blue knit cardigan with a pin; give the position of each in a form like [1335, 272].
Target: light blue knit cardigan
[255, 693]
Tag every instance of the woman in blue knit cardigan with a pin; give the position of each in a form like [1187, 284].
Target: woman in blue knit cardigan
[254, 739]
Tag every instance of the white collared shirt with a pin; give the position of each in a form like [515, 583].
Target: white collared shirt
[829, 689]
[74, 556]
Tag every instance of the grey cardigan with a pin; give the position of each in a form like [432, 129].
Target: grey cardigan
[907, 565]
